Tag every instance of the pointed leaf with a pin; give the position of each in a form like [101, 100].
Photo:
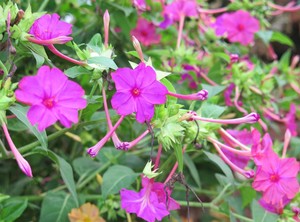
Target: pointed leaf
[21, 114]
[116, 178]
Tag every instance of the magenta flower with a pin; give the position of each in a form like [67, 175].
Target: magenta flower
[239, 26]
[179, 8]
[48, 30]
[227, 94]
[290, 120]
[274, 208]
[277, 179]
[244, 136]
[150, 203]
[140, 5]
[52, 97]
[137, 91]
[145, 32]
[261, 149]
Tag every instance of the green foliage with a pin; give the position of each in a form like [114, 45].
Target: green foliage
[116, 178]
[56, 206]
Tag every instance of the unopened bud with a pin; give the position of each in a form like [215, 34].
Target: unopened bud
[137, 46]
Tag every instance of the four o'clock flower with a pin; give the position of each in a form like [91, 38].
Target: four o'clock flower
[49, 30]
[145, 32]
[238, 26]
[151, 203]
[277, 178]
[52, 97]
[137, 91]
[179, 8]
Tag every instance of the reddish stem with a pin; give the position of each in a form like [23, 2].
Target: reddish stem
[59, 54]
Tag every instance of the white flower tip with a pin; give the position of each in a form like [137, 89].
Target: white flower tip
[253, 117]
[24, 166]
[106, 16]
[92, 152]
[202, 94]
[249, 174]
[123, 146]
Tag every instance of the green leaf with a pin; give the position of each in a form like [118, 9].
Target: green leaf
[102, 62]
[212, 90]
[96, 43]
[170, 87]
[160, 74]
[248, 194]
[223, 56]
[83, 166]
[116, 178]
[219, 162]
[260, 214]
[65, 171]
[12, 209]
[21, 114]
[265, 36]
[192, 168]
[282, 38]
[76, 71]
[209, 110]
[3, 197]
[56, 206]
[39, 59]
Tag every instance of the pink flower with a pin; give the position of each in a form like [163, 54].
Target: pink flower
[52, 97]
[137, 91]
[140, 5]
[261, 150]
[50, 30]
[274, 208]
[178, 8]
[150, 203]
[227, 94]
[290, 120]
[244, 136]
[145, 32]
[277, 179]
[239, 26]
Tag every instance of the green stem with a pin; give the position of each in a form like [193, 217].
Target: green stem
[197, 204]
[221, 194]
[93, 89]
[3, 150]
[242, 217]
[43, 5]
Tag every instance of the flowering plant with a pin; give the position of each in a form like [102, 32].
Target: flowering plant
[148, 110]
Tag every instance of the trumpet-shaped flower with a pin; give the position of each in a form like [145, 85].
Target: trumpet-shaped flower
[277, 179]
[52, 97]
[239, 26]
[145, 32]
[180, 8]
[48, 29]
[150, 203]
[137, 91]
